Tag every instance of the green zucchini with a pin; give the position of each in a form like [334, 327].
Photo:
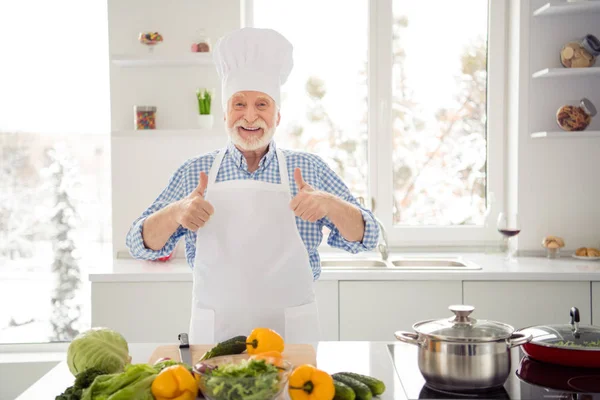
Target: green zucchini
[361, 390]
[343, 391]
[377, 387]
[235, 345]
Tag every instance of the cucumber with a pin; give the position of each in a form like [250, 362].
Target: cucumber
[235, 345]
[377, 387]
[343, 391]
[361, 390]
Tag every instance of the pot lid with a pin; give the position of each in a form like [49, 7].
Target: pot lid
[461, 327]
[566, 336]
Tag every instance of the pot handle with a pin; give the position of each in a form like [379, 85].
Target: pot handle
[517, 339]
[408, 337]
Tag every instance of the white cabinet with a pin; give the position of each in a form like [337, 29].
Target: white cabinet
[327, 301]
[143, 311]
[523, 304]
[374, 310]
[596, 303]
[159, 311]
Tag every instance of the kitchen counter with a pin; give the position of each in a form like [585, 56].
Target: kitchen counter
[493, 267]
[372, 358]
[395, 363]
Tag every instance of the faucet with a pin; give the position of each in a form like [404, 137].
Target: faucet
[382, 247]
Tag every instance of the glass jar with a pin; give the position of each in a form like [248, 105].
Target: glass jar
[575, 116]
[581, 53]
[144, 117]
[202, 44]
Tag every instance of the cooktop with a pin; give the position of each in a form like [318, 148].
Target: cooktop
[528, 379]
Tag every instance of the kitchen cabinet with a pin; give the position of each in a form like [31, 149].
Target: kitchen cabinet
[148, 312]
[523, 304]
[596, 303]
[155, 312]
[374, 310]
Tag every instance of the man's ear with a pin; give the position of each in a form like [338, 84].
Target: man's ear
[278, 118]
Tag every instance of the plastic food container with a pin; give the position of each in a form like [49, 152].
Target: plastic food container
[144, 117]
[575, 116]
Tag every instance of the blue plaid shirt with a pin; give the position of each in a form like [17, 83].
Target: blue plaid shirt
[314, 171]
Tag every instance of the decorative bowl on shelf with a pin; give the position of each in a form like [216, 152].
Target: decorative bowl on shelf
[150, 39]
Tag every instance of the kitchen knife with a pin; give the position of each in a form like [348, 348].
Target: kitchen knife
[184, 349]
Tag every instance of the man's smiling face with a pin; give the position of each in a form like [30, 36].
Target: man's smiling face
[251, 119]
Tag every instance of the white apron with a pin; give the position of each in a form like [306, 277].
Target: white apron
[251, 267]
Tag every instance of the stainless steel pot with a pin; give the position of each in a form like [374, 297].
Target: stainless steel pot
[462, 353]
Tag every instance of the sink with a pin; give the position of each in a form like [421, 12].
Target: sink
[354, 264]
[433, 263]
[402, 263]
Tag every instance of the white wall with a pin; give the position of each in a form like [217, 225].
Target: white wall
[553, 183]
[142, 165]
[558, 181]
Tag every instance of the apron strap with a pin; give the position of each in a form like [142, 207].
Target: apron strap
[214, 169]
[283, 171]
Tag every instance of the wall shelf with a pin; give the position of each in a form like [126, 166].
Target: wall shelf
[563, 72]
[563, 8]
[561, 134]
[153, 60]
[162, 133]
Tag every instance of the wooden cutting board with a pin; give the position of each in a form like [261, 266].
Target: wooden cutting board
[297, 354]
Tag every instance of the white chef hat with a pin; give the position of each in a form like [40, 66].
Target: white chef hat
[253, 59]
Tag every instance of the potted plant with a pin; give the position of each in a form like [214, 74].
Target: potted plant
[205, 118]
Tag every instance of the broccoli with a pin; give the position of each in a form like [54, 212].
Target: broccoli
[83, 380]
[70, 394]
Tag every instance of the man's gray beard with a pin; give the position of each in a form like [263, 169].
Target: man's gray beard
[254, 144]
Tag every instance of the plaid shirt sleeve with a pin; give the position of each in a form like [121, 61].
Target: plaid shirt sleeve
[333, 184]
[175, 190]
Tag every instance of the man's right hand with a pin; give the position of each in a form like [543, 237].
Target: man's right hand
[193, 211]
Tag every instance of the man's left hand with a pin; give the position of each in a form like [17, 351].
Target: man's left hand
[309, 204]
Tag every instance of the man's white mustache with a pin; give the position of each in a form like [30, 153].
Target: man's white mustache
[245, 124]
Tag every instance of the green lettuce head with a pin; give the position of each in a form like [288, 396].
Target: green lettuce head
[100, 348]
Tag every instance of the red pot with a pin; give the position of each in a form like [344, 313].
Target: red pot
[570, 345]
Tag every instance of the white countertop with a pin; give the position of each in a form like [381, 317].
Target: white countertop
[369, 358]
[493, 267]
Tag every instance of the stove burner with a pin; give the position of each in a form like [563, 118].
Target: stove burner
[428, 392]
[585, 383]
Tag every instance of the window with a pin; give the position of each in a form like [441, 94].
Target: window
[54, 166]
[398, 97]
[324, 103]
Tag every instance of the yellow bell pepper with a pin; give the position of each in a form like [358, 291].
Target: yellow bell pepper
[309, 383]
[262, 340]
[175, 383]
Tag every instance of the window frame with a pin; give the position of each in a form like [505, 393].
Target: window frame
[380, 184]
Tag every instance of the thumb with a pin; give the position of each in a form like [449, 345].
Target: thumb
[298, 178]
[202, 184]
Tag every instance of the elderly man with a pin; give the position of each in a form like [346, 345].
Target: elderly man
[252, 214]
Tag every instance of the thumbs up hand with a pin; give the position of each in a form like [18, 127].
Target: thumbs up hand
[193, 212]
[309, 204]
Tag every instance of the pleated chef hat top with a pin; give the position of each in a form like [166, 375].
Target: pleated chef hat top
[253, 59]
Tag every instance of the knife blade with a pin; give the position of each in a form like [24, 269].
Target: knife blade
[185, 354]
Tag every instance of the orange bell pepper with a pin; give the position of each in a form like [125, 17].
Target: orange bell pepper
[309, 383]
[175, 383]
[272, 357]
[264, 339]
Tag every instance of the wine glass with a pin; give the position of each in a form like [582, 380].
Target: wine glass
[509, 226]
